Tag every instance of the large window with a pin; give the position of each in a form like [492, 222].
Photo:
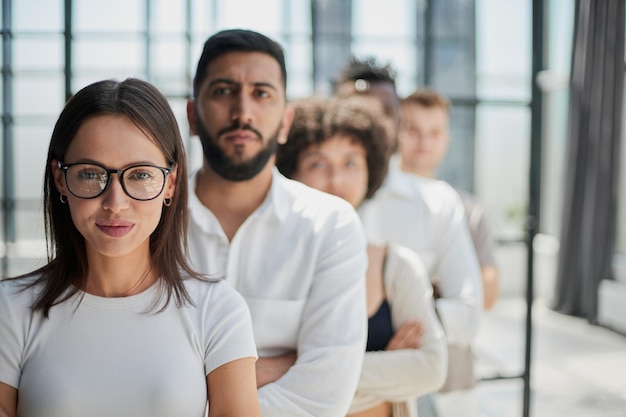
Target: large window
[477, 52]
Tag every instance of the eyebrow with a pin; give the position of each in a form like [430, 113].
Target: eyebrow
[233, 82]
[308, 153]
[94, 162]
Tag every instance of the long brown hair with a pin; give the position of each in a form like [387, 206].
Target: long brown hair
[67, 267]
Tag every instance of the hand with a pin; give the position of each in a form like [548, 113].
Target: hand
[408, 336]
[271, 369]
[491, 286]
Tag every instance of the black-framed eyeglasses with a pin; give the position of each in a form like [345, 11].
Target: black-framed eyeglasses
[140, 182]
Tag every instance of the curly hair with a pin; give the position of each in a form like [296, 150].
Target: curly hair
[317, 119]
[368, 70]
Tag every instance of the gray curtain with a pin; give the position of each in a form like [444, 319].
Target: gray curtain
[594, 131]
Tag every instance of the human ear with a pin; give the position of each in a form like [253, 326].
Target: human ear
[170, 187]
[59, 177]
[285, 125]
[192, 116]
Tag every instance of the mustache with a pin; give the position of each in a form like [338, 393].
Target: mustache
[237, 125]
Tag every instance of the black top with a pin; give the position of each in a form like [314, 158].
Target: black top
[380, 330]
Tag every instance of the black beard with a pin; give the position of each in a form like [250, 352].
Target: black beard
[224, 166]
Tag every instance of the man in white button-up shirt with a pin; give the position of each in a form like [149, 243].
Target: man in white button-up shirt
[427, 216]
[296, 255]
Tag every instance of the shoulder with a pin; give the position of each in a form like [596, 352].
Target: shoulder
[213, 293]
[472, 205]
[414, 188]
[20, 290]
[17, 297]
[402, 261]
[405, 272]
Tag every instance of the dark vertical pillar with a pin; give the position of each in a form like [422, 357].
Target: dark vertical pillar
[7, 133]
[148, 41]
[450, 68]
[67, 36]
[534, 184]
[332, 26]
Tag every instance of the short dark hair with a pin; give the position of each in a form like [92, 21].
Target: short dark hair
[368, 70]
[428, 98]
[237, 40]
[67, 266]
[317, 119]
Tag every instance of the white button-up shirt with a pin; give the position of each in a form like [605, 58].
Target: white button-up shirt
[299, 261]
[428, 216]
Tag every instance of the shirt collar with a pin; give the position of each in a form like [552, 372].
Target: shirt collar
[399, 182]
[280, 199]
[277, 203]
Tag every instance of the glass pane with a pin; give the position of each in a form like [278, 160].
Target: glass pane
[31, 148]
[169, 16]
[554, 150]
[503, 49]
[555, 85]
[300, 84]
[457, 168]
[300, 17]
[203, 18]
[502, 161]
[38, 53]
[298, 55]
[36, 96]
[179, 107]
[172, 85]
[109, 16]
[401, 55]
[120, 55]
[169, 56]
[390, 19]
[262, 16]
[29, 230]
[38, 15]
[454, 69]
[621, 211]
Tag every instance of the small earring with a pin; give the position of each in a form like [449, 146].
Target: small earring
[62, 198]
[167, 202]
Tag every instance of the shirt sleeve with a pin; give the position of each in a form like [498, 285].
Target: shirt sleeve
[12, 338]
[228, 328]
[332, 336]
[457, 275]
[402, 375]
[481, 236]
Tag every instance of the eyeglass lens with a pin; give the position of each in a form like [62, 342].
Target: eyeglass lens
[141, 182]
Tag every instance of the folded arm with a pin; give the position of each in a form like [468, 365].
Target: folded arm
[8, 401]
[331, 339]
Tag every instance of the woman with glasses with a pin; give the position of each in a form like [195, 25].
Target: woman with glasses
[338, 146]
[116, 323]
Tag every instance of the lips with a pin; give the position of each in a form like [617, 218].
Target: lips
[240, 136]
[115, 228]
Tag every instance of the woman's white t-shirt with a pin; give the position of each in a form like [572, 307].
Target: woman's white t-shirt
[117, 356]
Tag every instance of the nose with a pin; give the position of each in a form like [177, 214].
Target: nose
[336, 182]
[242, 110]
[115, 198]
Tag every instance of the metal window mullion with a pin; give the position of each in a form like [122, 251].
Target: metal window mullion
[8, 195]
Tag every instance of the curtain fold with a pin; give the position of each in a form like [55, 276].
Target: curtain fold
[594, 132]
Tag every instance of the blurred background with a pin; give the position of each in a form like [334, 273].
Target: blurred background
[522, 76]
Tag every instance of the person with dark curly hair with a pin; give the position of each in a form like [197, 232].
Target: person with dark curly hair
[428, 216]
[366, 77]
[339, 146]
